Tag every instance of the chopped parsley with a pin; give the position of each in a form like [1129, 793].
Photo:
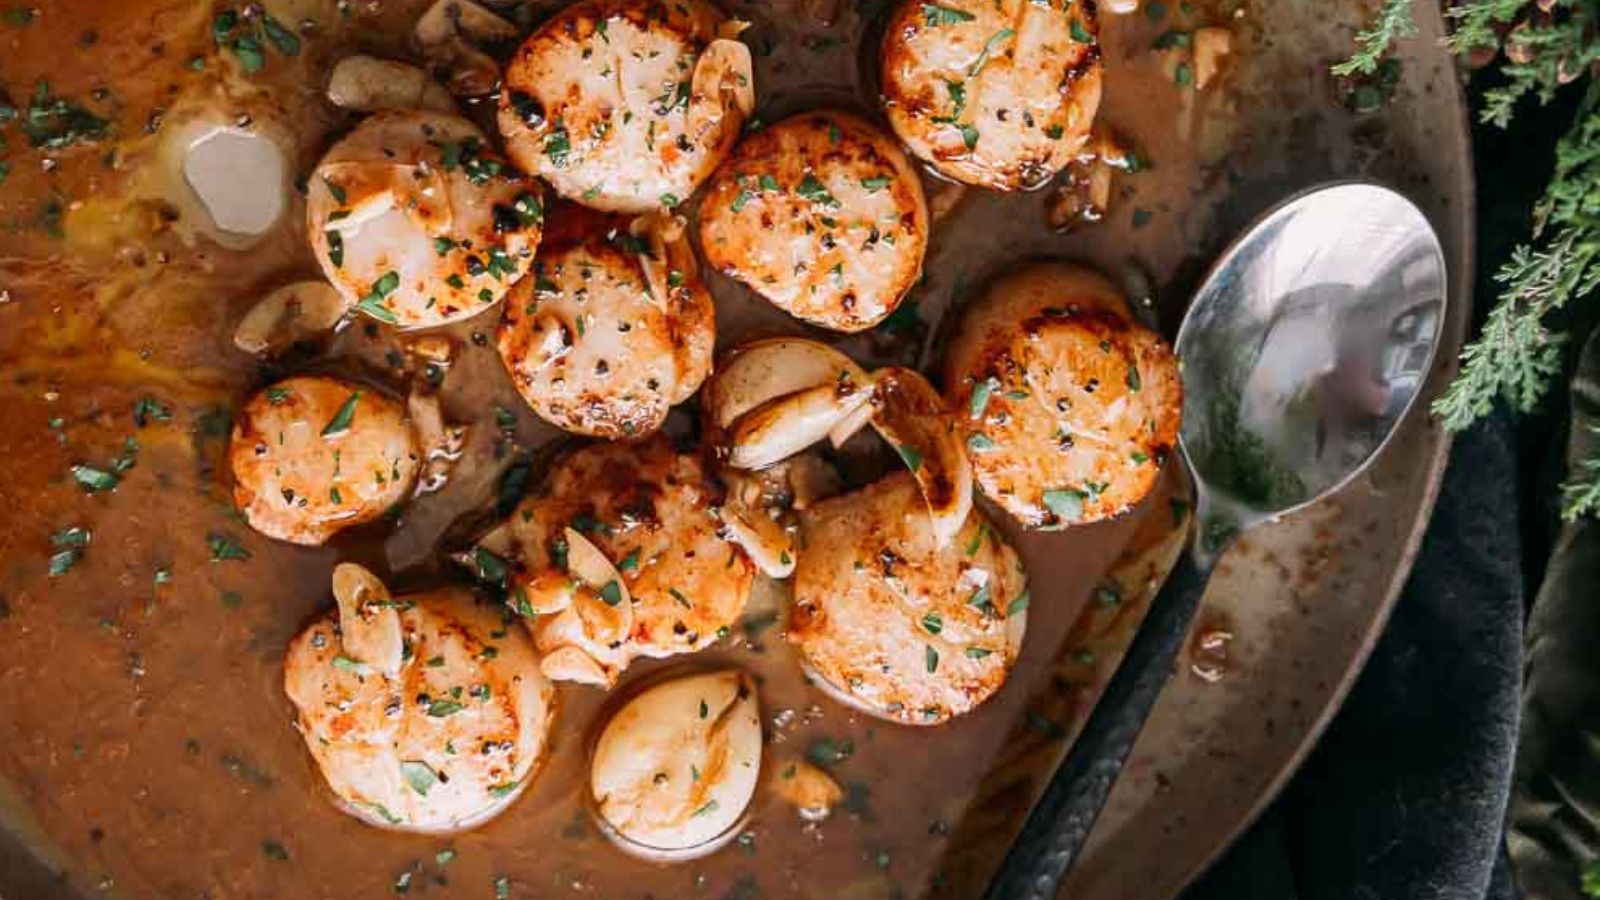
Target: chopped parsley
[812, 189]
[342, 419]
[419, 775]
[225, 548]
[934, 14]
[1066, 503]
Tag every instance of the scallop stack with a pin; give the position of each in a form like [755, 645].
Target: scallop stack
[576, 232]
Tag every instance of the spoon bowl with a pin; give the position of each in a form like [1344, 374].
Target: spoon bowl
[1304, 348]
[1302, 351]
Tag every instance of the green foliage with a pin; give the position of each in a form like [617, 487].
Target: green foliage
[1394, 22]
[1517, 356]
[1580, 496]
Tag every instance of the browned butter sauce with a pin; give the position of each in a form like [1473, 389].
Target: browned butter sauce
[146, 745]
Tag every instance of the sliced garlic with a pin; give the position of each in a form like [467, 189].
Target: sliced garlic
[1212, 46]
[450, 36]
[912, 417]
[676, 767]
[782, 427]
[367, 84]
[767, 544]
[572, 664]
[292, 313]
[723, 86]
[369, 625]
[763, 370]
[441, 443]
[813, 792]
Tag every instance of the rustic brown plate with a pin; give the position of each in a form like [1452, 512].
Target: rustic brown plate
[145, 743]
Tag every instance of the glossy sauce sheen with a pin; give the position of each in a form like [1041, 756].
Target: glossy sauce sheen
[146, 745]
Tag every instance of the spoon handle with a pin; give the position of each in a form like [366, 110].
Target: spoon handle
[1057, 828]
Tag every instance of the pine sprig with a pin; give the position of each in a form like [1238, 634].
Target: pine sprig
[1394, 22]
[1543, 47]
[1516, 356]
[1580, 496]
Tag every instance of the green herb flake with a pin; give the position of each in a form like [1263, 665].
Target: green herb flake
[442, 708]
[812, 189]
[932, 623]
[1066, 503]
[282, 39]
[1017, 604]
[989, 46]
[344, 417]
[248, 51]
[419, 775]
[93, 480]
[930, 658]
[611, 593]
[913, 458]
[935, 14]
[224, 548]
[274, 851]
[1079, 33]
[876, 183]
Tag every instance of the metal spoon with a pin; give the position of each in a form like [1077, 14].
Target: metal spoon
[1302, 351]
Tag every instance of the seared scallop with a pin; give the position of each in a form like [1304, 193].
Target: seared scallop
[314, 455]
[675, 768]
[896, 624]
[1071, 405]
[437, 724]
[627, 105]
[418, 222]
[653, 514]
[996, 93]
[823, 215]
[613, 328]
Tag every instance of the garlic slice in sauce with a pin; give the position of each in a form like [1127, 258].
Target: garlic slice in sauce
[767, 369]
[369, 625]
[723, 82]
[676, 767]
[780, 428]
[812, 791]
[912, 417]
[763, 540]
[295, 312]
[367, 84]
[450, 35]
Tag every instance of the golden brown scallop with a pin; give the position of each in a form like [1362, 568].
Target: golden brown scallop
[1070, 405]
[418, 222]
[823, 215]
[627, 105]
[896, 624]
[654, 515]
[441, 737]
[995, 93]
[613, 328]
[312, 456]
